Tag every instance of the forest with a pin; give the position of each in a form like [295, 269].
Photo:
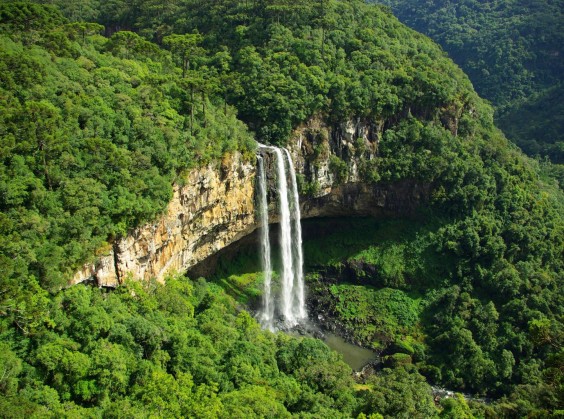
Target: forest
[106, 105]
[512, 52]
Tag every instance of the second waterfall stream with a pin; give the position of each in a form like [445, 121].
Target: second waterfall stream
[289, 305]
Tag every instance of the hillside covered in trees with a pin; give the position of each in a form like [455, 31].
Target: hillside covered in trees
[512, 51]
[106, 105]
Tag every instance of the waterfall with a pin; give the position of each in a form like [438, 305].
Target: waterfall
[285, 239]
[299, 295]
[292, 293]
[267, 313]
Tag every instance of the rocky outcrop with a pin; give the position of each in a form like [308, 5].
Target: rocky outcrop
[213, 209]
[328, 155]
[336, 164]
[215, 206]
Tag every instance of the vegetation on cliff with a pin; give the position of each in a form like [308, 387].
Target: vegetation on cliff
[94, 131]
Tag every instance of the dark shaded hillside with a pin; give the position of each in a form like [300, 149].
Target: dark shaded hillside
[538, 121]
[512, 51]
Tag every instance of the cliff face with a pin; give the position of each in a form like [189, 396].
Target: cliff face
[335, 164]
[215, 207]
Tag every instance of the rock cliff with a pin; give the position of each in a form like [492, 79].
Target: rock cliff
[335, 164]
[215, 206]
[211, 210]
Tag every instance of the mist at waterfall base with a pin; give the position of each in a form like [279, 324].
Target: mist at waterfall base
[287, 309]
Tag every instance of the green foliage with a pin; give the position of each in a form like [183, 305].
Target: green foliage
[307, 188]
[245, 288]
[339, 169]
[512, 53]
[28, 19]
[94, 132]
[11, 367]
[93, 136]
[281, 64]
[399, 392]
[480, 320]
[535, 124]
[172, 350]
[184, 48]
[375, 317]
[335, 240]
[389, 262]
[456, 407]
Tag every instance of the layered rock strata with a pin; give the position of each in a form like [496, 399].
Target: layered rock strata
[213, 209]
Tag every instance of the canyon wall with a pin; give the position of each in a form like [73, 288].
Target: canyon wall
[215, 206]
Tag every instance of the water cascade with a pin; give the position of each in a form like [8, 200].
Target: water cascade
[267, 313]
[291, 305]
[298, 262]
[285, 238]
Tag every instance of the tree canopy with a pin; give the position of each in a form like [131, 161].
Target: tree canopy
[512, 51]
[105, 105]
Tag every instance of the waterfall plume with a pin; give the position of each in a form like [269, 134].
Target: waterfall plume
[291, 301]
[298, 263]
[267, 313]
[285, 239]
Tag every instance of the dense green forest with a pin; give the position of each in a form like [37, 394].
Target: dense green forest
[105, 105]
[512, 51]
